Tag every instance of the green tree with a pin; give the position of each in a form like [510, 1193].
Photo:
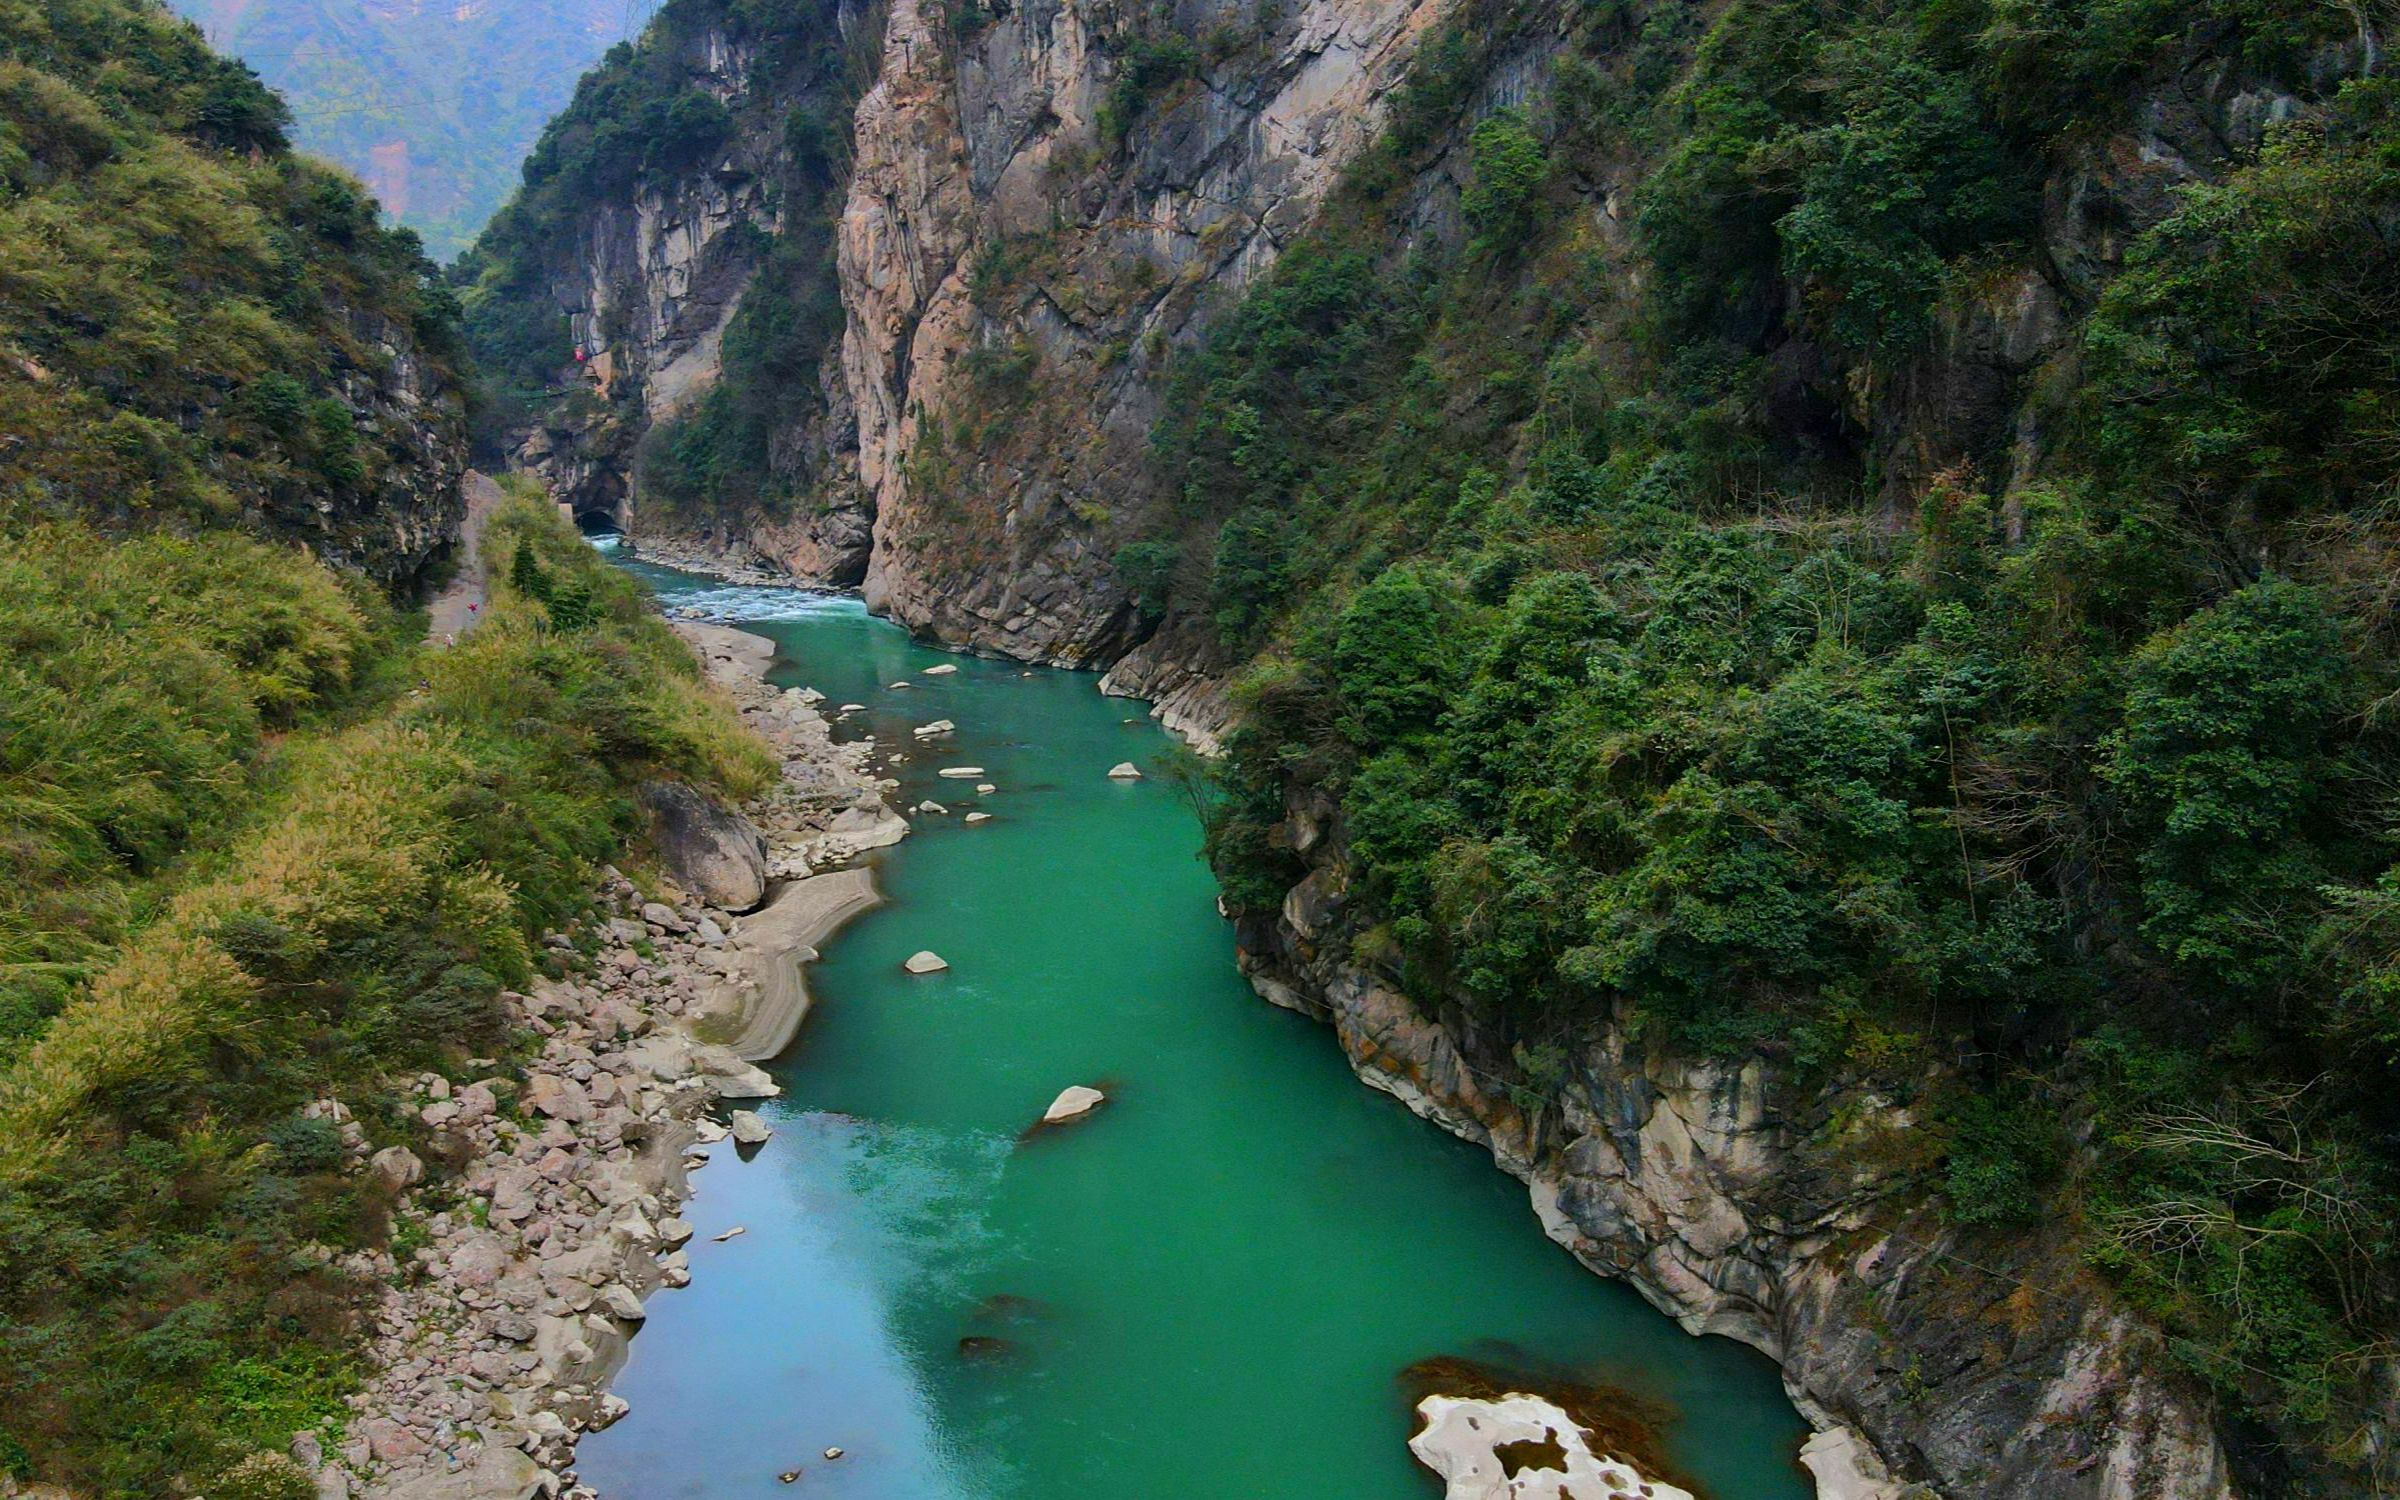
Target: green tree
[525, 572]
[2223, 759]
[1510, 168]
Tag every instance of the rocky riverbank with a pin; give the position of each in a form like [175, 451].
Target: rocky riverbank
[1741, 1201]
[515, 1277]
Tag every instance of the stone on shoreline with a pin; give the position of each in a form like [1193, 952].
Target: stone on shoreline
[1462, 1437]
[926, 962]
[395, 1169]
[748, 1129]
[621, 1303]
[1073, 1103]
[713, 851]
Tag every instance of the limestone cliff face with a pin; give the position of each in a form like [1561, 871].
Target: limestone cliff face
[648, 283]
[1742, 1202]
[1014, 275]
[410, 414]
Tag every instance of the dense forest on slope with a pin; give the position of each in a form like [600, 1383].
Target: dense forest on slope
[1679, 650]
[263, 848]
[433, 106]
[200, 327]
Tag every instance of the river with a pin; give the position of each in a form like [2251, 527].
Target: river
[1210, 1288]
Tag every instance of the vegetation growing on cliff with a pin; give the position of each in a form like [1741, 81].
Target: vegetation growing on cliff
[1577, 571]
[185, 306]
[641, 119]
[222, 928]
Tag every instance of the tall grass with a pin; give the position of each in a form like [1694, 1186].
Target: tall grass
[274, 856]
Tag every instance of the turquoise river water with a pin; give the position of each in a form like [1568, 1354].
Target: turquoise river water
[1210, 1288]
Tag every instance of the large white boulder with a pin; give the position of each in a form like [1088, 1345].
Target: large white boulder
[1462, 1437]
[944, 670]
[960, 773]
[1073, 1103]
[748, 1128]
[1124, 770]
[926, 962]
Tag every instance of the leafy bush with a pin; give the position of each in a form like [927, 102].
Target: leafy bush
[1509, 171]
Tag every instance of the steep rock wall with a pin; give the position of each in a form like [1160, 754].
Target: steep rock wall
[644, 285]
[1742, 1202]
[411, 413]
[1015, 274]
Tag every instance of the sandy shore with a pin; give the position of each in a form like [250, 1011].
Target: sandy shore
[780, 940]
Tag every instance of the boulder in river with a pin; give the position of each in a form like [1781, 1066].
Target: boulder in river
[944, 670]
[926, 962]
[959, 773]
[979, 817]
[1124, 770]
[1073, 1103]
[712, 851]
[1519, 1447]
[748, 1128]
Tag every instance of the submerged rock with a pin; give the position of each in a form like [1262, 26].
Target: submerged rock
[1517, 1447]
[926, 962]
[1073, 1103]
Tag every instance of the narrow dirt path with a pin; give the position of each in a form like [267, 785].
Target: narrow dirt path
[460, 606]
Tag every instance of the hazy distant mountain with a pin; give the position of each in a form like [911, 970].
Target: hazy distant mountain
[434, 104]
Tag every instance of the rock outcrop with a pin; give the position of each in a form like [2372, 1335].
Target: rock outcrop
[1518, 1447]
[713, 851]
[410, 413]
[1742, 1202]
[1014, 275]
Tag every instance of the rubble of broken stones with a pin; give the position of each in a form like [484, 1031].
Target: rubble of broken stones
[494, 1340]
[527, 1262]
